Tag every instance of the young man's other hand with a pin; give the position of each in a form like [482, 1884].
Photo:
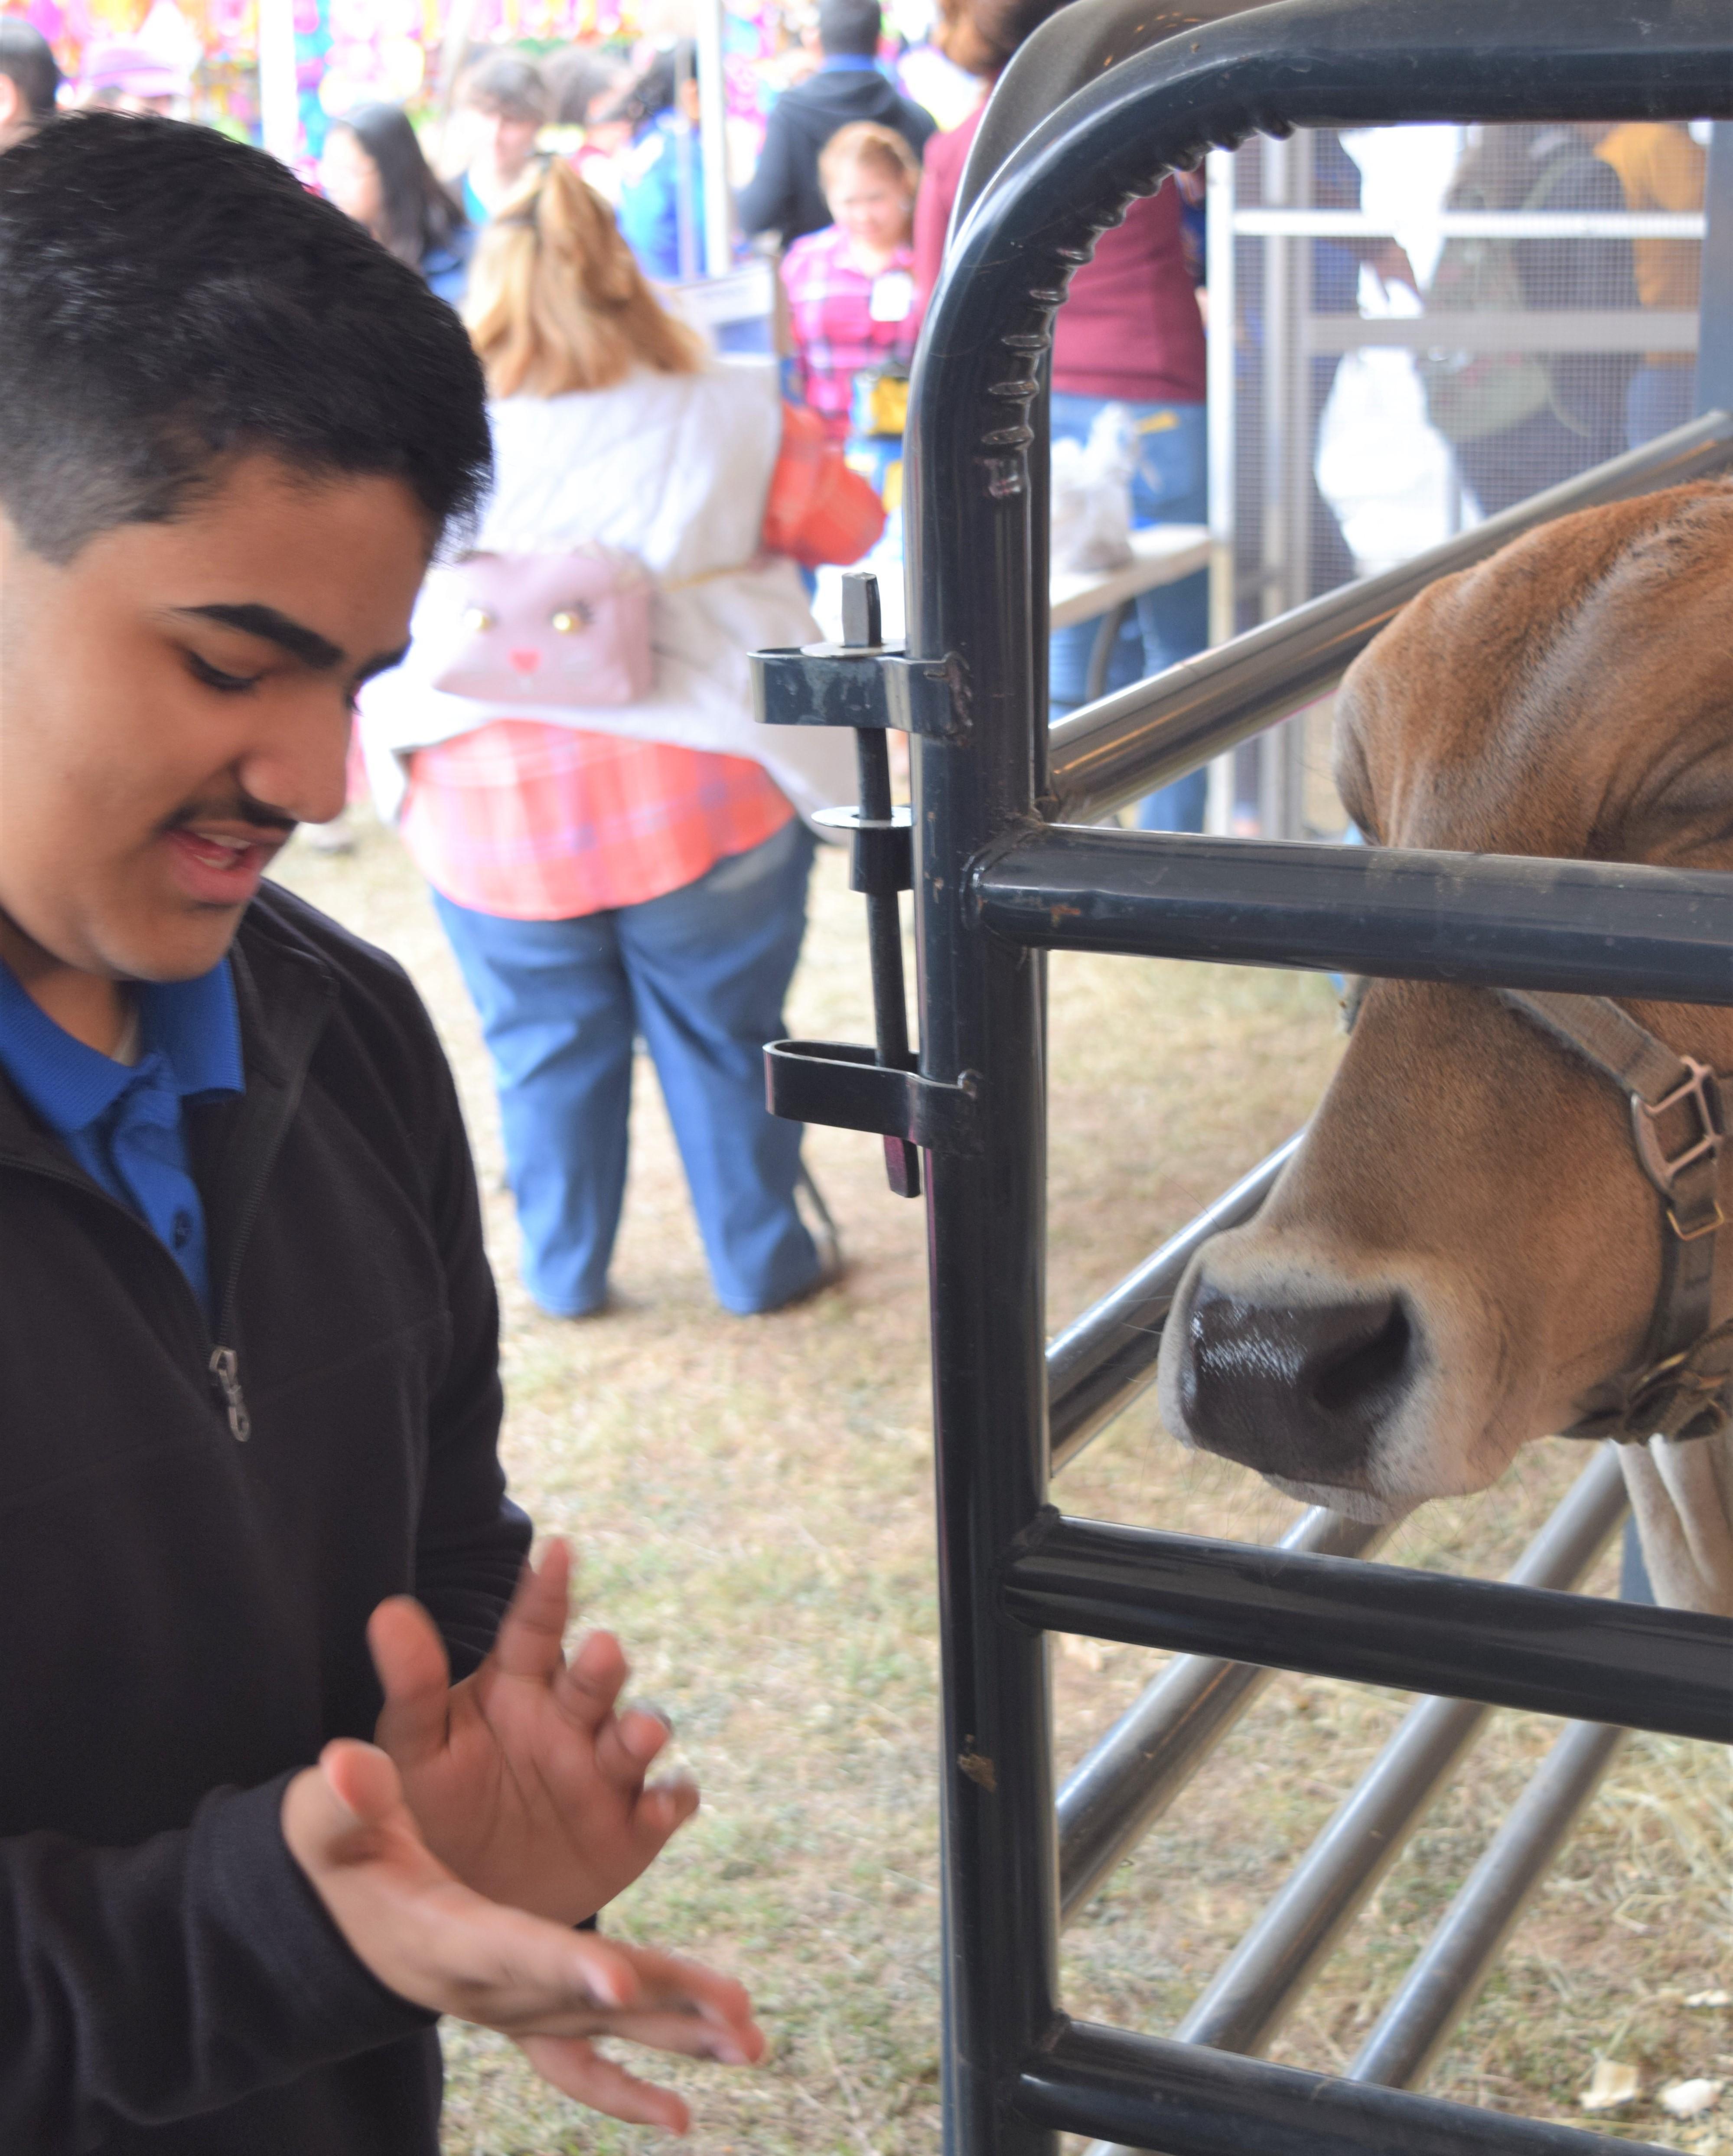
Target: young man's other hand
[524, 1777]
[435, 1941]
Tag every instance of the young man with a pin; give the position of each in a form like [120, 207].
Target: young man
[29, 80]
[505, 102]
[784, 194]
[248, 1392]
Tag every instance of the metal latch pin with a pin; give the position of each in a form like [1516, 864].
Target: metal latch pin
[863, 630]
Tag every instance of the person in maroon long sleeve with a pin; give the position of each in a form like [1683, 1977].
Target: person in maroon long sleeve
[1130, 333]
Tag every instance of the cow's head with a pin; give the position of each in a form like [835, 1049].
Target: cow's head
[1464, 1254]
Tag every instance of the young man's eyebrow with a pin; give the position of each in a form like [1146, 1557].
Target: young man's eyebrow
[383, 664]
[294, 637]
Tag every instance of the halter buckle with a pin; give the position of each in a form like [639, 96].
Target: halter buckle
[1699, 1092]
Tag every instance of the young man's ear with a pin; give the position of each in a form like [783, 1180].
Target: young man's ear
[12, 114]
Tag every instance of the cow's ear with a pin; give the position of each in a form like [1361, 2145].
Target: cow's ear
[1353, 995]
[1350, 763]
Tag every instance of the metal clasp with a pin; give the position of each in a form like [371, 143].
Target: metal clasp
[862, 682]
[846, 683]
[1698, 1090]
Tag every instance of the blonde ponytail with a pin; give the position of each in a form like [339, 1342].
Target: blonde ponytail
[556, 300]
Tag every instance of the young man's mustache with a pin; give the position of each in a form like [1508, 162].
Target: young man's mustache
[237, 809]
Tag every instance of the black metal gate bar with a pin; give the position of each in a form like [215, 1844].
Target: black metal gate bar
[1156, 731]
[1575, 1655]
[1601, 927]
[1154, 2092]
[1102, 1360]
[1125, 1782]
[1245, 2006]
[1016, 2072]
[1458, 1958]
[1131, 1777]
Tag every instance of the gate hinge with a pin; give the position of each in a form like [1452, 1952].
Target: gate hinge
[831, 1082]
[874, 686]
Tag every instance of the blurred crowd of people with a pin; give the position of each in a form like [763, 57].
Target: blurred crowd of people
[614, 850]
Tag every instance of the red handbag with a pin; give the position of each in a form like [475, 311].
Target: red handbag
[817, 510]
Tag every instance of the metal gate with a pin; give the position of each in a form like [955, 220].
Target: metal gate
[1005, 868]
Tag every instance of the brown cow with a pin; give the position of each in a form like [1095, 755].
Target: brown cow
[1467, 1251]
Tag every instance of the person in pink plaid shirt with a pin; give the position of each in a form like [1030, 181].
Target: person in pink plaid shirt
[851, 287]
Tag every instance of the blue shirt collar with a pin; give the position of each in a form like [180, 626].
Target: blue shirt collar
[855, 63]
[193, 1026]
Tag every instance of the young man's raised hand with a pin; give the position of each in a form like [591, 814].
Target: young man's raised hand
[437, 1942]
[524, 1779]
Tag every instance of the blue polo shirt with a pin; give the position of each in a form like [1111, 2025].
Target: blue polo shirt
[124, 1123]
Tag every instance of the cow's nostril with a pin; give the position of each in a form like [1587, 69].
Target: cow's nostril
[1299, 1390]
[1371, 1366]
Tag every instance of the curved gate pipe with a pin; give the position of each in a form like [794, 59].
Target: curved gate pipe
[1016, 2072]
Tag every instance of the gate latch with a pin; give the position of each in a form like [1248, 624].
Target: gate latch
[863, 684]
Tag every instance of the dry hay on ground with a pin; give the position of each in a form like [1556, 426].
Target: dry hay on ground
[752, 1500]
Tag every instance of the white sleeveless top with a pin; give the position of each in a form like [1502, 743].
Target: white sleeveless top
[674, 468]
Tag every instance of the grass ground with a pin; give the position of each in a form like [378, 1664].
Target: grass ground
[752, 1501]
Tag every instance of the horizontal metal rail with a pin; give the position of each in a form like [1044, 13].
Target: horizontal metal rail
[1258, 223]
[1246, 2005]
[1156, 731]
[1670, 329]
[1116, 1794]
[1568, 1655]
[1602, 927]
[1444, 1982]
[1155, 2092]
[1102, 1360]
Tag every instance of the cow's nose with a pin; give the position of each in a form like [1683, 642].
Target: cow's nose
[1297, 1390]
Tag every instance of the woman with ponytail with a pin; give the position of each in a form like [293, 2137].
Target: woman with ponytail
[613, 845]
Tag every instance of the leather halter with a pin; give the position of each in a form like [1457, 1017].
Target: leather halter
[1683, 1387]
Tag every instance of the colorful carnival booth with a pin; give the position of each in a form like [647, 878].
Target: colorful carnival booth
[229, 63]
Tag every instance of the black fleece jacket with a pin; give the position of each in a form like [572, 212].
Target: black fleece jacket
[187, 1573]
[783, 194]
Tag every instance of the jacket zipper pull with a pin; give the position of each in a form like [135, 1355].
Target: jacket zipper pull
[225, 1369]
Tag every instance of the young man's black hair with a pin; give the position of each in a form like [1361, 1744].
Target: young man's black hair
[172, 299]
[27, 60]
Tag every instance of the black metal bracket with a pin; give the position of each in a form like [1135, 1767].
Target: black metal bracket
[835, 1082]
[862, 682]
[869, 686]
[827, 684]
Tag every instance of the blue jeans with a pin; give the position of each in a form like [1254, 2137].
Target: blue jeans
[1170, 484]
[700, 972]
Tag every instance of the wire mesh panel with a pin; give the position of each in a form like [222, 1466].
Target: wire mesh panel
[1429, 324]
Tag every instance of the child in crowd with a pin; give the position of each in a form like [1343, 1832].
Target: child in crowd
[851, 287]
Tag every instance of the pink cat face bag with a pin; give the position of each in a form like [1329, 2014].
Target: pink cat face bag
[571, 628]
